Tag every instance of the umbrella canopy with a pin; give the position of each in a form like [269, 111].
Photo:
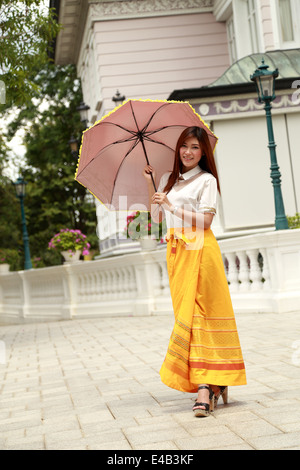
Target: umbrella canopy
[116, 149]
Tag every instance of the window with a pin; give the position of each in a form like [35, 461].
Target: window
[243, 31]
[286, 23]
[252, 24]
[231, 40]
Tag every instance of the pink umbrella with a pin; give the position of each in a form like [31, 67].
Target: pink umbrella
[116, 149]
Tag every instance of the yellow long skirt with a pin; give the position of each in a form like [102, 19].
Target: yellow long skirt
[204, 346]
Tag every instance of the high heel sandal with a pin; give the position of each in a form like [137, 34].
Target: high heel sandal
[222, 393]
[208, 407]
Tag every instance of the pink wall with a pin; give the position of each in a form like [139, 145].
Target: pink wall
[150, 57]
[267, 26]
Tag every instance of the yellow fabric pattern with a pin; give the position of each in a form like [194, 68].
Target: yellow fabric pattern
[204, 346]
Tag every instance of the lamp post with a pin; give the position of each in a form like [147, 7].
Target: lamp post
[265, 87]
[73, 143]
[83, 110]
[118, 98]
[20, 186]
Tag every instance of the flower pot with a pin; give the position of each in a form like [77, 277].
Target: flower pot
[148, 243]
[71, 257]
[4, 268]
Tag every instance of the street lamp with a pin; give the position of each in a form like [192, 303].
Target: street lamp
[20, 186]
[118, 98]
[83, 110]
[73, 145]
[265, 87]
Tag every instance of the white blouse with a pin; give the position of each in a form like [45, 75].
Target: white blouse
[195, 191]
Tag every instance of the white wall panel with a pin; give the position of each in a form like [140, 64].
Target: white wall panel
[243, 160]
[243, 163]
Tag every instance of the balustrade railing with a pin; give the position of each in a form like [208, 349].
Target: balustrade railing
[263, 273]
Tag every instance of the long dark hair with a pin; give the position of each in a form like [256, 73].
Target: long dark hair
[207, 162]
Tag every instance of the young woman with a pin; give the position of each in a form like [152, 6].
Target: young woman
[204, 353]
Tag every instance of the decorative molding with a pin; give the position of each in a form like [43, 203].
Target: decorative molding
[235, 106]
[134, 8]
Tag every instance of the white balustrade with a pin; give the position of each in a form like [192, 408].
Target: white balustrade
[263, 273]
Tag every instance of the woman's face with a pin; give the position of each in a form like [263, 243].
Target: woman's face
[190, 153]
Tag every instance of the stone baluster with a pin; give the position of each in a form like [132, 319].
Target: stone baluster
[101, 285]
[115, 283]
[93, 283]
[106, 284]
[233, 275]
[81, 287]
[132, 280]
[124, 285]
[255, 271]
[120, 284]
[244, 279]
[112, 284]
[266, 284]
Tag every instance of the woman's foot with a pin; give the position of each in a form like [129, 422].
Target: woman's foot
[204, 402]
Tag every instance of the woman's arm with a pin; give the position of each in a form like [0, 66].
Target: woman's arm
[196, 219]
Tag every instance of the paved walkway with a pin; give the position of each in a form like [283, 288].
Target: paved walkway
[94, 384]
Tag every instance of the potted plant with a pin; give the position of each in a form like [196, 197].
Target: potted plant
[9, 260]
[140, 227]
[71, 244]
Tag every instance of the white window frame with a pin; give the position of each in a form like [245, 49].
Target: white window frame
[242, 42]
[231, 35]
[279, 42]
[253, 25]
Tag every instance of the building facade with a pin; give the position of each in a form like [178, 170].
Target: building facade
[201, 51]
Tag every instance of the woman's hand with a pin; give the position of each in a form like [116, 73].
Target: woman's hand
[148, 170]
[162, 200]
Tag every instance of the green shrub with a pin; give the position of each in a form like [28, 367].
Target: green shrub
[294, 222]
[12, 257]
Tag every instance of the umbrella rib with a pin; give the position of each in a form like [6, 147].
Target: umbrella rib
[148, 139]
[117, 125]
[151, 117]
[163, 128]
[129, 139]
[140, 135]
[116, 177]
[134, 117]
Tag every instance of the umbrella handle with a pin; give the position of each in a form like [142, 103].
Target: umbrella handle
[154, 186]
[147, 160]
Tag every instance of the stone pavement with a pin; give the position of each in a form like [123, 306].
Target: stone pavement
[94, 384]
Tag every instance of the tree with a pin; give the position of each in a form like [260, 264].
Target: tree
[44, 98]
[27, 30]
[54, 199]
